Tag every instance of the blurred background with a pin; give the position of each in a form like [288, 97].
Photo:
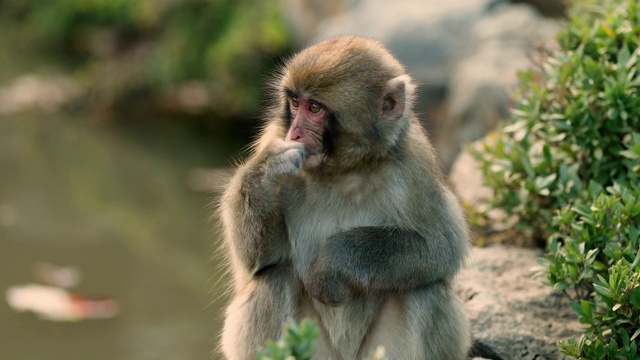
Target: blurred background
[118, 119]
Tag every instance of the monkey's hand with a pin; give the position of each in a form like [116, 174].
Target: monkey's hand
[285, 158]
[324, 280]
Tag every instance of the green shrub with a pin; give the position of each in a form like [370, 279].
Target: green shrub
[567, 165]
[594, 259]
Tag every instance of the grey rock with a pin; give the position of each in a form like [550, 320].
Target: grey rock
[481, 83]
[512, 314]
[427, 36]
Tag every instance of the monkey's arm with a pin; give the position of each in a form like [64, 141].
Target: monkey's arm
[366, 259]
[251, 211]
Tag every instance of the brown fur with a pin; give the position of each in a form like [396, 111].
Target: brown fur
[368, 242]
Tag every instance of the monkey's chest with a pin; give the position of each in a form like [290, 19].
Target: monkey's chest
[309, 226]
[310, 222]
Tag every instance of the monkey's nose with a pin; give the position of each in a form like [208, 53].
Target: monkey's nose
[295, 134]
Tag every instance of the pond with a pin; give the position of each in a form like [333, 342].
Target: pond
[117, 206]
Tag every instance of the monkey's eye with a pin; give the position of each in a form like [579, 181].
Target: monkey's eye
[314, 107]
[294, 101]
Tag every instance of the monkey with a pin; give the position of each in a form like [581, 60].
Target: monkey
[341, 214]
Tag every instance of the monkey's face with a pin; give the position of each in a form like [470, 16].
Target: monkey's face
[308, 118]
[344, 100]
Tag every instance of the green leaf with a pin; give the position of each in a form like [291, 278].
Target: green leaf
[631, 154]
[602, 290]
[634, 297]
[582, 210]
[561, 285]
[528, 168]
[585, 306]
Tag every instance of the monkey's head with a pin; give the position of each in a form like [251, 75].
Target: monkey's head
[348, 100]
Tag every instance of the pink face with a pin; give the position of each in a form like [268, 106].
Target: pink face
[307, 120]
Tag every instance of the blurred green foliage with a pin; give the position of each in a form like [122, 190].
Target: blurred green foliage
[567, 166]
[120, 48]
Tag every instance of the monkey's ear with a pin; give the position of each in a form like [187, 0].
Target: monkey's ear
[394, 99]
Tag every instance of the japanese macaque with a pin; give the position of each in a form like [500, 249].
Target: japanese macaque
[341, 214]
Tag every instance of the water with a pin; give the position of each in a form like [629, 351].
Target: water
[78, 193]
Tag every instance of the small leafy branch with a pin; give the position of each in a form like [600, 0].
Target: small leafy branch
[298, 342]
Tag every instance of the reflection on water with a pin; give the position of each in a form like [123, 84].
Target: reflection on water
[80, 195]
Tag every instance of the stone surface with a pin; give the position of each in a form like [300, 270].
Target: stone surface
[513, 315]
[466, 181]
[427, 36]
[481, 84]
[554, 8]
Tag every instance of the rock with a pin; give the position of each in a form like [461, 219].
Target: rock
[513, 315]
[427, 36]
[304, 16]
[466, 180]
[555, 8]
[481, 83]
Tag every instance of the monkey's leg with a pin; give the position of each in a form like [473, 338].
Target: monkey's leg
[445, 328]
[424, 324]
[259, 312]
